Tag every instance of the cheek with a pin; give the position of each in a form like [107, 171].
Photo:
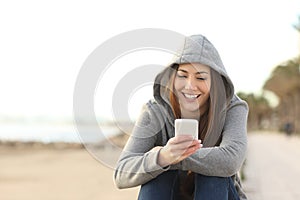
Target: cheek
[178, 85]
[204, 87]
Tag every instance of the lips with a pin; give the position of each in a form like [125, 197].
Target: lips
[191, 96]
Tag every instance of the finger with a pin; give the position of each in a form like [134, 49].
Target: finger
[183, 141]
[181, 138]
[186, 144]
[184, 155]
[191, 150]
[181, 155]
[177, 153]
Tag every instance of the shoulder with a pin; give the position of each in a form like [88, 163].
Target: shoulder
[237, 102]
[150, 107]
[236, 116]
[151, 117]
[154, 108]
[237, 108]
[152, 103]
[153, 112]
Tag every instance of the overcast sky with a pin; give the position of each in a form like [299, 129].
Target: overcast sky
[43, 44]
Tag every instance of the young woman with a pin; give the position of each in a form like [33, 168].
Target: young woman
[194, 86]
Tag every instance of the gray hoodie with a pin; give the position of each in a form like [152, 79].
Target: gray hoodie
[223, 150]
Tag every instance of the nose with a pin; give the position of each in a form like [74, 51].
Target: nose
[190, 84]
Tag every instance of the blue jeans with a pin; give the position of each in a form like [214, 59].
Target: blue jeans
[166, 187]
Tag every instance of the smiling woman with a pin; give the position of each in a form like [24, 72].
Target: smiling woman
[192, 87]
[167, 166]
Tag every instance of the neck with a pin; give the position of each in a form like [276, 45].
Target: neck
[190, 115]
[194, 114]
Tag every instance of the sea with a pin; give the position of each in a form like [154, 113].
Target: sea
[50, 133]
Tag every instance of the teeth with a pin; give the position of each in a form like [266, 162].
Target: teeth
[190, 96]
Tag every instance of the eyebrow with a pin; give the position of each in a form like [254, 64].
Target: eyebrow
[201, 72]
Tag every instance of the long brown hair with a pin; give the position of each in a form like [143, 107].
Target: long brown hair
[218, 100]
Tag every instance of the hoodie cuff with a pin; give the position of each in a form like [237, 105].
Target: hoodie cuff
[151, 165]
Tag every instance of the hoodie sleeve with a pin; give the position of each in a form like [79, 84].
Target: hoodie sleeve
[137, 163]
[224, 160]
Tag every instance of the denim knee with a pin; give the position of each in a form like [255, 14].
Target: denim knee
[213, 187]
[163, 187]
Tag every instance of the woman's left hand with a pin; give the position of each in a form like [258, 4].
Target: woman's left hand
[177, 149]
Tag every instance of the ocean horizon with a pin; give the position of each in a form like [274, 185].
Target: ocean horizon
[51, 133]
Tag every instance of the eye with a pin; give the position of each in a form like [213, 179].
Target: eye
[201, 78]
[181, 75]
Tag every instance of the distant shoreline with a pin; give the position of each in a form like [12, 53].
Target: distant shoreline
[39, 145]
[118, 140]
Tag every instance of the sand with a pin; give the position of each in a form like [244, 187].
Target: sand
[63, 172]
[35, 173]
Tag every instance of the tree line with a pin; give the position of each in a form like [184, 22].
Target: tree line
[284, 82]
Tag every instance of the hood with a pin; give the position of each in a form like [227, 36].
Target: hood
[195, 49]
[198, 49]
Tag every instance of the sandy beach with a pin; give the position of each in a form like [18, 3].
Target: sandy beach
[70, 172]
[36, 172]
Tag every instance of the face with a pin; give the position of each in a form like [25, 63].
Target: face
[192, 87]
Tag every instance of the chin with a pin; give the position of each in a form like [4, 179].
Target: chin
[192, 109]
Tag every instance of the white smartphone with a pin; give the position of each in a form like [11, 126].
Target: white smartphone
[186, 127]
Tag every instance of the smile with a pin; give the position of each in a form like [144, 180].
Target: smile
[191, 96]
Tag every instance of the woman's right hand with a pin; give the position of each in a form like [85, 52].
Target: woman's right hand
[177, 149]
